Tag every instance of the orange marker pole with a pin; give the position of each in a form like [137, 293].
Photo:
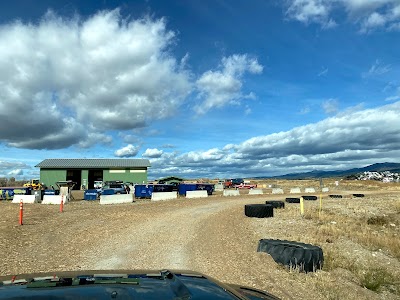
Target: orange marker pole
[21, 211]
[62, 204]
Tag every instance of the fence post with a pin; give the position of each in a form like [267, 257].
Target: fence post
[21, 211]
[62, 204]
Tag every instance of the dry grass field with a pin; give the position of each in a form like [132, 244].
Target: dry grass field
[360, 238]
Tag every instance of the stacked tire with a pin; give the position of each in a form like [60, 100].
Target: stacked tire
[259, 210]
[276, 204]
[358, 195]
[300, 256]
[310, 198]
[292, 200]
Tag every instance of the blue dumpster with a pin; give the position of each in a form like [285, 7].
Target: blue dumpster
[51, 192]
[185, 187]
[90, 195]
[143, 190]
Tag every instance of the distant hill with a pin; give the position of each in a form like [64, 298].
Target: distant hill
[379, 167]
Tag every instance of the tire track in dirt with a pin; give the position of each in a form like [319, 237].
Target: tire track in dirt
[155, 244]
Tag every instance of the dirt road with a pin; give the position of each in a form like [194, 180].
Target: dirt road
[207, 235]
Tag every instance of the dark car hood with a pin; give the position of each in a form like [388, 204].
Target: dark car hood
[123, 284]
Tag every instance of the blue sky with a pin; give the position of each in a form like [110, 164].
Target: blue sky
[201, 88]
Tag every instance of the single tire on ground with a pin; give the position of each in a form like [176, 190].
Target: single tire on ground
[358, 195]
[292, 200]
[259, 210]
[276, 204]
[310, 198]
[304, 257]
[335, 196]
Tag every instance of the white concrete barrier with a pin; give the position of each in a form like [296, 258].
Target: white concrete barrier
[231, 193]
[25, 199]
[116, 199]
[196, 194]
[53, 199]
[295, 190]
[325, 190]
[219, 187]
[277, 191]
[256, 192]
[160, 196]
[309, 190]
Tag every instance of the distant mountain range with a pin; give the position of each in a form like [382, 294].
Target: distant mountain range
[379, 167]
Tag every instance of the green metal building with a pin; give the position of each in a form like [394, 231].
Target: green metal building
[86, 171]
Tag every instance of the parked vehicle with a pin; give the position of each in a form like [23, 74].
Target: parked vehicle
[34, 184]
[230, 183]
[148, 284]
[119, 188]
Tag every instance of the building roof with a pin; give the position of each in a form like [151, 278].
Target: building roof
[95, 163]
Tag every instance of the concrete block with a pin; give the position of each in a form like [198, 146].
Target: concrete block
[309, 190]
[256, 192]
[231, 193]
[160, 196]
[116, 199]
[277, 191]
[219, 187]
[25, 199]
[53, 199]
[196, 194]
[295, 190]
[325, 190]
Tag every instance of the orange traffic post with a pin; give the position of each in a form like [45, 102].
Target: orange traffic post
[21, 211]
[62, 203]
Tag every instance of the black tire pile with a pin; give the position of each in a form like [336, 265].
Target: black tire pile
[292, 200]
[259, 210]
[310, 198]
[300, 256]
[358, 195]
[335, 196]
[276, 204]
[294, 255]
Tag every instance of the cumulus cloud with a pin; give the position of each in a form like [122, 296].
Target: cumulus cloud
[152, 153]
[352, 138]
[16, 172]
[66, 80]
[10, 165]
[311, 11]
[127, 151]
[368, 14]
[220, 87]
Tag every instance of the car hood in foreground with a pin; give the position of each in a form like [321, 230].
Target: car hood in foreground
[123, 284]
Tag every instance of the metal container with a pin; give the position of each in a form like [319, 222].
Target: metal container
[90, 195]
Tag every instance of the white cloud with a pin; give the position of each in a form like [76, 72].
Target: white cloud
[221, 87]
[330, 106]
[127, 151]
[311, 11]
[352, 138]
[368, 14]
[323, 72]
[392, 98]
[152, 153]
[304, 110]
[16, 172]
[80, 78]
[377, 69]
